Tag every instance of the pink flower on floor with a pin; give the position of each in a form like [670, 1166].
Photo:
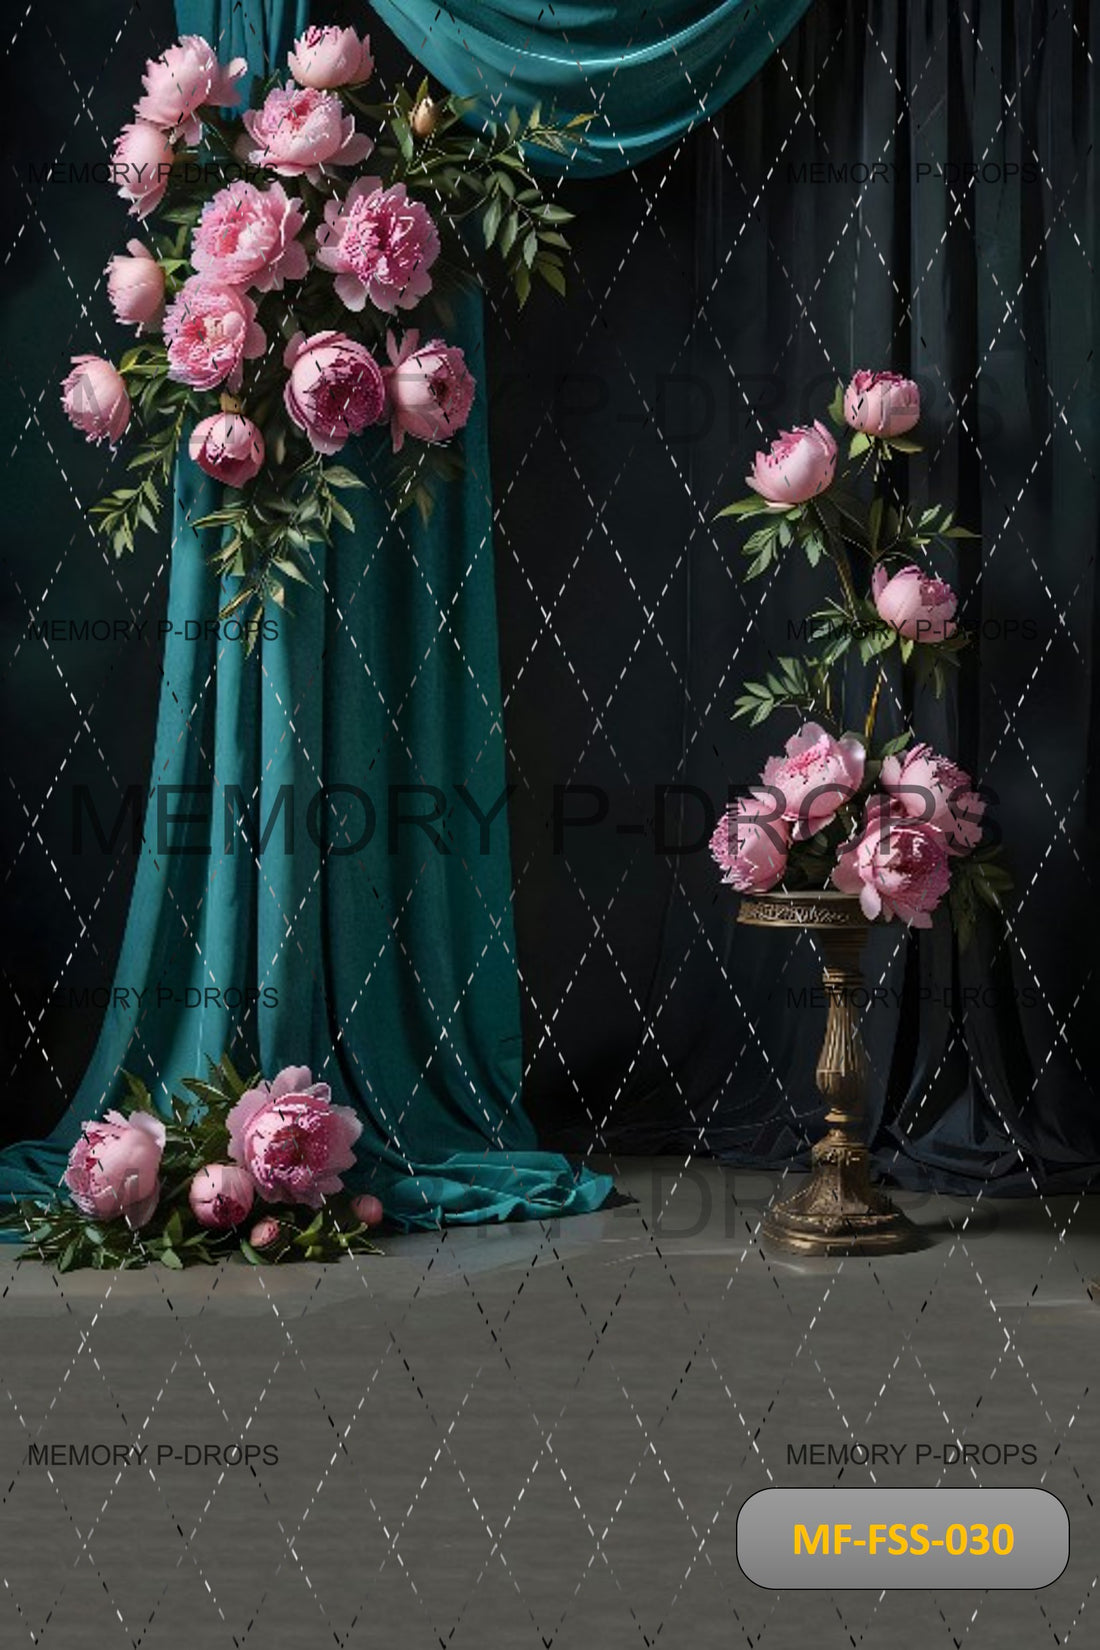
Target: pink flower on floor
[335, 388]
[301, 130]
[135, 286]
[211, 329]
[429, 391]
[750, 844]
[265, 1233]
[140, 163]
[114, 1168]
[183, 80]
[95, 399]
[818, 775]
[221, 1195]
[367, 1209]
[246, 237]
[930, 787]
[897, 866]
[799, 464]
[294, 1142]
[380, 245]
[330, 57]
[920, 608]
[881, 403]
[228, 446]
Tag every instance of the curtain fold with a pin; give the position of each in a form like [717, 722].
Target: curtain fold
[645, 74]
[382, 958]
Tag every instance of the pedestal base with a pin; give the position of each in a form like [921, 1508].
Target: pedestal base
[839, 1212]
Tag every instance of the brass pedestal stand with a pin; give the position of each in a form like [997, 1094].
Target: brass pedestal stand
[838, 1212]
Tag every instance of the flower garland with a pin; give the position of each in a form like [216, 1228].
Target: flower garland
[268, 304]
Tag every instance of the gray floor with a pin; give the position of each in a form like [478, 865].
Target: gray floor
[536, 1435]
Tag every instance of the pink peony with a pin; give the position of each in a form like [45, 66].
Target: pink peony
[750, 844]
[246, 237]
[114, 1168]
[95, 399]
[930, 787]
[818, 775]
[301, 130]
[210, 330]
[184, 79]
[330, 57]
[799, 464]
[429, 391]
[335, 388]
[367, 1209]
[228, 447]
[380, 245]
[135, 286]
[294, 1142]
[881, 403]
[140, 164]
[265, 1233]
[897, 866]
[221, 1195]
[921, 608]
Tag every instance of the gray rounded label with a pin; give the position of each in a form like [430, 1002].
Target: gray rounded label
[943, 1538]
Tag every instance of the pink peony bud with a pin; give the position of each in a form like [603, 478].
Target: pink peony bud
[95, 399]
[335, 388]
[920, 608]
[265, 1233]
[114, 1168]
[367, 1209]
[329, 57]
[799, 464]
[750, 844]
[221, 1195]
[135, 286]
[184, 79]
[425, 118]
[429, 389]
[141, 162]
[228, 447]
[881, 403]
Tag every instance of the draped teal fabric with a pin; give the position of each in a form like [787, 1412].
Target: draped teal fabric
[382, 958]
[646, 73]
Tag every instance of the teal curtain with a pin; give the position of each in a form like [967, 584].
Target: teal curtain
[646, 73]
[384, 961]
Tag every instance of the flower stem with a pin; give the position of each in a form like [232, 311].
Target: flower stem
[869, 725]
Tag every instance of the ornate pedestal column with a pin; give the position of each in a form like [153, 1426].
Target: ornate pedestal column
[838, 1211]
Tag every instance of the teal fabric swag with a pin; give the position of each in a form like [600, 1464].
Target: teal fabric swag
[379, 953]
[646, 74]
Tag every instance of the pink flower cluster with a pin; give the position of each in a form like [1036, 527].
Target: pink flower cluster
[287, 1141]
[376, 243]
[898, 850]
[801, 463]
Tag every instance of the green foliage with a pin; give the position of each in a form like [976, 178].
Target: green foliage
[977, 880]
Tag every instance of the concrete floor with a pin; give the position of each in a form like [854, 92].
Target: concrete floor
[530, 1435]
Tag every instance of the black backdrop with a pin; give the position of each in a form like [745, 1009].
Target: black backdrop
[825, 221]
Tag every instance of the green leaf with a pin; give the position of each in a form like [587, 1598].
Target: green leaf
[490, 222]
[169, 1258]
[338, 476]
[901, 444]
[859, 444]
[753, 506]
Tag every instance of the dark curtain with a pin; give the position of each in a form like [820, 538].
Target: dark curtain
[719, 290]
[905, 186]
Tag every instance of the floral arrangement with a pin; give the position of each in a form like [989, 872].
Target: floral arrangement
[238, 1165]
[895, 822]
[269, 300]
